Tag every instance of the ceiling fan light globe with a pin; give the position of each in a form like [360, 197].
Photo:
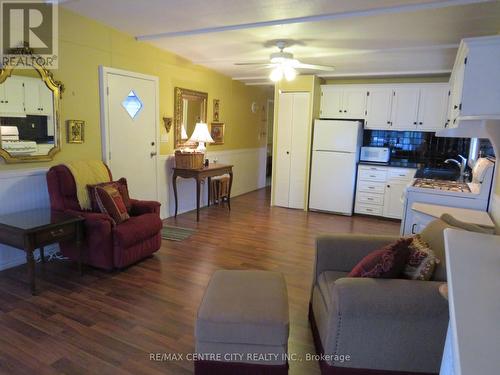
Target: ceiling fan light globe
[276, 74]
[290, 73]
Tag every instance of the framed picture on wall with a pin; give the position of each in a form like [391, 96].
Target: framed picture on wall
[217, 132]
[75, 131]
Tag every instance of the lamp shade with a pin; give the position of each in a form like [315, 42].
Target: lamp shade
[183, 133]
[201, 134]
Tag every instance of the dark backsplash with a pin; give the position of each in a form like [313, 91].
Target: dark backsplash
[419, 147]
[31, 128]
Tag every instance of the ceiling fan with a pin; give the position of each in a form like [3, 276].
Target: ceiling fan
[284, 65]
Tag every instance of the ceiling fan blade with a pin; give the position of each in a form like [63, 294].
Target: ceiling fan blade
[260, 63]
[315, 67]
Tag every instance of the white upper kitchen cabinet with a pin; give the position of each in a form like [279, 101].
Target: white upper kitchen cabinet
[343, 102]
[432, 108]
[331, 101]
[12, 98]
[475, 79]
[405, 107]
[38, 98]
[379, 107]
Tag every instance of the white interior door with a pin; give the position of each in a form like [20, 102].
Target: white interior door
[283, 149]
[404, 108]
[131, 106]
[298, 160]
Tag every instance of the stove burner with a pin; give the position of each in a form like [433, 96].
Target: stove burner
[441, 185]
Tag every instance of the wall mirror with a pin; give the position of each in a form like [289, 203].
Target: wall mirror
[29, 115]
[190, 107]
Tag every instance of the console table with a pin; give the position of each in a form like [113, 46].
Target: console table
[200, 174]
[29, 230]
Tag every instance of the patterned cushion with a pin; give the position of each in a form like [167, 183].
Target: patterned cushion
[421, 262]
[122, 187]
[110, 202]
[387, 262]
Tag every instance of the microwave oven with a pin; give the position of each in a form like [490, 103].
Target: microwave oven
[375, 154]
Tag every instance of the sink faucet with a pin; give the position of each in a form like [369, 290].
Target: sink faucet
[462, 164]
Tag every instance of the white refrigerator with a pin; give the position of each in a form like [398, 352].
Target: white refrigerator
[335, 154]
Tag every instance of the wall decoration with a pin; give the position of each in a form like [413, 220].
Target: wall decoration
[167, 121]
[75, 131]
[217, 132]
[216, 110]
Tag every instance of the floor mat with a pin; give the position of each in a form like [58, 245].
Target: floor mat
[176, 233]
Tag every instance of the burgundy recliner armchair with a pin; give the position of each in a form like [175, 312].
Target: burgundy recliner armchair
[106, 245]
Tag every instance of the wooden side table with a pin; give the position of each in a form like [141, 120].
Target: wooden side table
[199, 175]
[30, 230]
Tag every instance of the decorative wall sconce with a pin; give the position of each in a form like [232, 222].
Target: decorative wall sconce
[75, 132]
[167, 121]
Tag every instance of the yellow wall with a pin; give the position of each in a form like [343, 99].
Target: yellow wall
[85, 44]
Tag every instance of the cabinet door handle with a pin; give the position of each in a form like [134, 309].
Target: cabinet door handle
[388, 186]
[340, 111]
[345, 111]
[455, 106]
[420, 123]
[414, 123]
[413, 228]
[288, 152]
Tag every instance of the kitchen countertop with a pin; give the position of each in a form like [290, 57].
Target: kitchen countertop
[473, 282]
[464, 214]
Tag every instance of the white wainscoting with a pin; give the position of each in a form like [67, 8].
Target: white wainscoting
[27, 189]
[249, 174]
[19, 191]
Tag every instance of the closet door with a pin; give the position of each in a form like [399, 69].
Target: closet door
[298, 161]
[283, 149]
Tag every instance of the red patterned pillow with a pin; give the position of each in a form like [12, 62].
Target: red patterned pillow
[122, 187]
[387, 262]
[110, 202]
[421, 261]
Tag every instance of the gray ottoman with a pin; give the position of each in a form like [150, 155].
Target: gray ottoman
[242, 324]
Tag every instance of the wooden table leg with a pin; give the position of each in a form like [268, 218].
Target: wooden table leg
[198, 183]
[174, 183]
[209, 190]
[42, 254]
[79, 244]
[229, 191]
[30, 261]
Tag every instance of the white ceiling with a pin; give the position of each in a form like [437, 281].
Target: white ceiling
[357, 37]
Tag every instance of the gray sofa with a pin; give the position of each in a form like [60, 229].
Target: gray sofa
[385, 326]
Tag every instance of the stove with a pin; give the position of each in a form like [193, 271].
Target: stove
[428, 183]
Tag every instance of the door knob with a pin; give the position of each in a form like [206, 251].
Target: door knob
[153, 154]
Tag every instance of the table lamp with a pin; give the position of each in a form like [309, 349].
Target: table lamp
[202, 136]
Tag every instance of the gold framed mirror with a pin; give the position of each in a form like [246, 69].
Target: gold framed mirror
[190, 107]
[30, 128]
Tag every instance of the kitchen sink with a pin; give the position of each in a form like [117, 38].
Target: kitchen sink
[438, 173]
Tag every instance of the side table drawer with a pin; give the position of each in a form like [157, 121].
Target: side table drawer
[55, 235]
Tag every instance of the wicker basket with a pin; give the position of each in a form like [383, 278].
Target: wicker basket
[191, 160]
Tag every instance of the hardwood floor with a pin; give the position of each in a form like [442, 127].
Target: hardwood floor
[109, 323]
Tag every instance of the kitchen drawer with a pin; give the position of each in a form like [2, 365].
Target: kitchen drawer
[368, 209]
[370, 198]
[372, 168]
[371, 187]
[400, 173]
[372, 175]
